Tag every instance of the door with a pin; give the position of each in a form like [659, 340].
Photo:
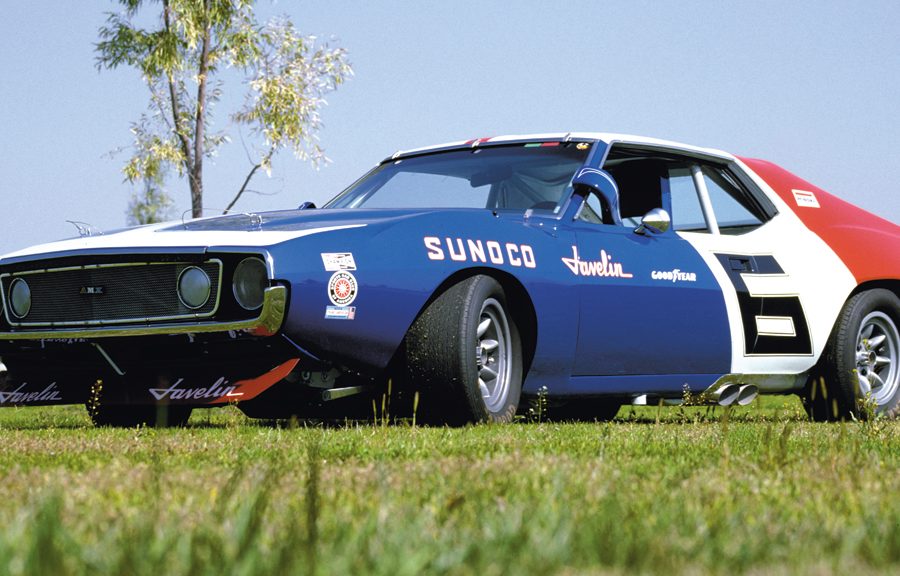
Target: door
[649, 303]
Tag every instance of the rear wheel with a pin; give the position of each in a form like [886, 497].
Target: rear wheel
[861, 364]
[464, 355]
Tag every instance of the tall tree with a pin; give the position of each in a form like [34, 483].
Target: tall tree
[182, 59]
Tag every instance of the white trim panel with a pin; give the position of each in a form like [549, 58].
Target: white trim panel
[812, 271]
[775, 326]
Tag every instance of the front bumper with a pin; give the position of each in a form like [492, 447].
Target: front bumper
[268, 322]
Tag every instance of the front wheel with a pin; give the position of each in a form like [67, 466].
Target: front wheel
[861, 364]
[464, 355]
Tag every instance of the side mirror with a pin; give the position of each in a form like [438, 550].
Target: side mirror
[307, 206]
[601, 182]
[656, 221]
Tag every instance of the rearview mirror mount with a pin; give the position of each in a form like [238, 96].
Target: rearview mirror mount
[602, 183]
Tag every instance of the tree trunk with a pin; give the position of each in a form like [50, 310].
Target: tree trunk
[196, 194]
[200, 120]
[193, 166]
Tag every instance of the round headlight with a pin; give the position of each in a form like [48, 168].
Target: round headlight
[20, 298]
[193, 287]
[250, 283]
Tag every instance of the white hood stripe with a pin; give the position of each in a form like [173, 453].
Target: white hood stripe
[154, 237]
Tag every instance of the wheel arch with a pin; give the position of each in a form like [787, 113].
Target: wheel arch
[828, 394]
[519, 300]
[890, 284]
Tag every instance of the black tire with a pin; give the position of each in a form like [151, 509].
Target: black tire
[450, 363]
[132, 416]
[861, 362]
[584, 410]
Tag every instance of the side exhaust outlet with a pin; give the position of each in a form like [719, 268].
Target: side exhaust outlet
[747, 394]
[726, 395]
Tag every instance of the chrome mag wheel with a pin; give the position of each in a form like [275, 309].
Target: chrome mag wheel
[492, 353]
[464, 356]
[877, 355]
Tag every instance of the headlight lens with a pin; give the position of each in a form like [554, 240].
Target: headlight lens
[20, 298]
[194, 287]
[250, 283]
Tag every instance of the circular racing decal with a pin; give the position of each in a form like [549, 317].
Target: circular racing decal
[342, 288]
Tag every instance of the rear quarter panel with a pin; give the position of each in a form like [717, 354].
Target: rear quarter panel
[824, 242]
[868, 245]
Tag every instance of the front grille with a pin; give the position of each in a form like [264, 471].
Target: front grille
[131, 293]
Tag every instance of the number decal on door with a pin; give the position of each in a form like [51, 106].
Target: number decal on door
[774, 324]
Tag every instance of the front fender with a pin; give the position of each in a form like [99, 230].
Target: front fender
[399, 268]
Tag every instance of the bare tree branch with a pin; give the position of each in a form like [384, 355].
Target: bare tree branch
[157, 99]
[249, 177]
[244, 145]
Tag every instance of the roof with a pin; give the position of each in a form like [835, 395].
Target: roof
[606, 137]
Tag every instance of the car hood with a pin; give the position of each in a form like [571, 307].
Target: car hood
[222, 232]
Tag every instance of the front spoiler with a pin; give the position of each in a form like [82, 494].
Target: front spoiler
[192, 387]
[266, 324]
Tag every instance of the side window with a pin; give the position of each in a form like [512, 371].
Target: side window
[734, 209]
[690, 188]
[640, 182]
[687, 214]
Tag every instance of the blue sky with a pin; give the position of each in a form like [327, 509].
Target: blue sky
[813, 86]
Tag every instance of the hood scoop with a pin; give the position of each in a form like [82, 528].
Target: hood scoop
[246, 221]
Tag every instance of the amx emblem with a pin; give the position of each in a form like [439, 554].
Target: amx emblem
[92, 290]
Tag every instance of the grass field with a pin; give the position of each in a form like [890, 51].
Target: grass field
[758, 491]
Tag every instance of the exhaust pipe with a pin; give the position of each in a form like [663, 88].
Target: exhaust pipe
[335, 393]
[747, 394]
[726, 395]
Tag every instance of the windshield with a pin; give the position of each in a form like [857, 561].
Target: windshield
[516, 177]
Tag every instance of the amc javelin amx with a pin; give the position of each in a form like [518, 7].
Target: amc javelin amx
[589, 269]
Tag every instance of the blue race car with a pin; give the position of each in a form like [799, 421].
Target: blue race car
[462, 280]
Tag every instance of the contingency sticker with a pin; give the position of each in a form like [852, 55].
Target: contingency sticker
[805, 199]
[674, 275]
[335, 261]
[342, 288]
[340, 312]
